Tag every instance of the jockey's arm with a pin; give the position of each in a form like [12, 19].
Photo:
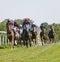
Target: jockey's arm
[29, 25]
[23, 25]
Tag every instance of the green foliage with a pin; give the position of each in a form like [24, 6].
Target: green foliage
[57, 30]
[19, 21]
[3, 25]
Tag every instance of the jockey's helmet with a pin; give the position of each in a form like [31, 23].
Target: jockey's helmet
[26, 19]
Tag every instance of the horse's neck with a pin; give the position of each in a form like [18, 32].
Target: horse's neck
[27, 29]
[52, 30]
[21, 31]
[15, 28]
[27, 26]
[9, 28]
[43, 32]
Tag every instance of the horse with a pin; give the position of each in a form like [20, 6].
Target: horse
[26, 36]
[51, 34]
[34, 34]
[12, 35]
[17, 33]
[43, 36]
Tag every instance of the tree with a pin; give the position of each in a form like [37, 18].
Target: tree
[57, 30]
[3, 25]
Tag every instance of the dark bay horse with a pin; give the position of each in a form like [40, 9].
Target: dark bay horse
[43, 36]
[34, 34]
[51, 34]
[26, 37]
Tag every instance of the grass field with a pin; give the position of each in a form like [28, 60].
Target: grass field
[49, 53]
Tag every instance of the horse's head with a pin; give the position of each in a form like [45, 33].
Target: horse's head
[27, 27]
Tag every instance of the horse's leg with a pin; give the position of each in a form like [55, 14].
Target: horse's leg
[35, 42]
[27, 43]
[20, 41]
[45, 40]
[12, 43]
[30, 42]
[49, 40]
[24, 42]
[35, 37]
[17, 39]
[42, 43]
[23, 37]
[42, 40]
[52, 40]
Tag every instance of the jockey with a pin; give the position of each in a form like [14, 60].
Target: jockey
[16, 29]
[25, 24]
[51, 31]
[52, 28]
[33, 27]
[43, 30]
[42, 27]
[9, 23]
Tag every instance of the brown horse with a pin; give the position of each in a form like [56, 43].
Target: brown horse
[43, 36]
[11, 35]
[51, 34]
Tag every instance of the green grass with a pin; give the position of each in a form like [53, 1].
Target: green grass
[49, 53]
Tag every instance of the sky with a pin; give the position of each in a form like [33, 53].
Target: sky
[37, 10]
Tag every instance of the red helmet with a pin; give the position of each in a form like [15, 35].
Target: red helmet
[26, 19]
